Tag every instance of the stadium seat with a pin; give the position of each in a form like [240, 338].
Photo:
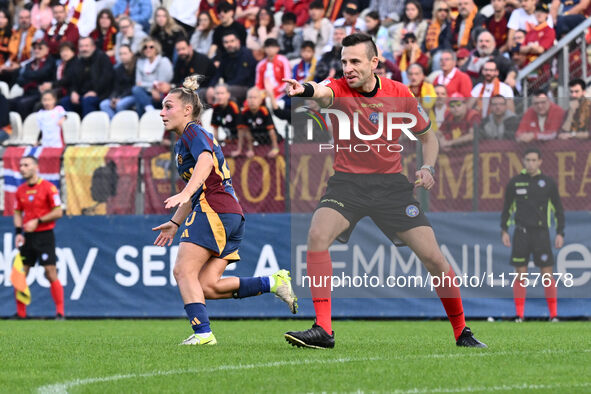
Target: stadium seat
[31, 130]
[16, 91]
[71, 128]
[95, 128]
[151, 127]
[17, 126]
[4, 89]
[124, 127]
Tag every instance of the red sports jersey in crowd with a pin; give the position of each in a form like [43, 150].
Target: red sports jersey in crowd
[37, 200]
[390, 97]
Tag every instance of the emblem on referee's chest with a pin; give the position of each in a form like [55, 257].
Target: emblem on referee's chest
[374, 117]
[412, 211]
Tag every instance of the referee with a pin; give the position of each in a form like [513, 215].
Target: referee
[533, 199]
[37, 207]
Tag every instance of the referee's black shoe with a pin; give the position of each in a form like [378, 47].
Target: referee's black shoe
[315, 338]
[467, 339]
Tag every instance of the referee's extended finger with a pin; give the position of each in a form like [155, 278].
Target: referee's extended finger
[289, 81]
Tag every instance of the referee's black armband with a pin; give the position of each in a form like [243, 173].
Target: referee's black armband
[308, 90]
[18, 230]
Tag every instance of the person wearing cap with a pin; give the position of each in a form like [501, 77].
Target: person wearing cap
[458, 126]
[272, 69]
[60, 31]
[41, 69]
[318, 29]
[523, 19]
[462, 55]
[350, 19]
[226, 12]
[411, 54]
[454, 80]
[539, 38]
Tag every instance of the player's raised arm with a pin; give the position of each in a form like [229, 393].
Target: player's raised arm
[307, 90]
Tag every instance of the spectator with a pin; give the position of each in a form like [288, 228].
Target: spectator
[105, 34]
[501, 123]
[5, 127]
[129, 34]
[166, 31]
[263, 29]
[94, 83]
[454, 80]
[19, 48]
[412, 22]
[388, 69]
[121, 98]
[41, 69]
[539, 38]
[440, 108]
[41, 15]
[305, 70]
[467, 21]
[289, 39]
[202, 38]
[486, 51]
[379, 33]
[299, 8]
[273, 69]
[463, 55]
[50, 120]
[422, 89]
[5, 33]
[350, 20]
[572, 13]
[411, 53]
[497, 24]
[247, 10]
[577, 122]
[139, 11]
[237, 67]
[67, 72]
[389, 10]
[491, 86]
[226, 114]
[330, 65]
[184, 14]
[542, 121]
[60, 31]
[151, 69]
[458, 126]
[256, 125]
[227, 24]
[523, 19]
[438, 35]
[81, 13]
[319, 29]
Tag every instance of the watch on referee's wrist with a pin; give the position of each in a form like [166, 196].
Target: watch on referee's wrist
[430, 168]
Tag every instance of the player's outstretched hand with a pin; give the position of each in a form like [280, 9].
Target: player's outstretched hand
[506, 239]
[293, 87]
[177, 199]
[424, 179]
[167, 232]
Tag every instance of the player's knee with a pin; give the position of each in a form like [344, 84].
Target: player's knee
[210, 290]
[318, 240]
[179, 272]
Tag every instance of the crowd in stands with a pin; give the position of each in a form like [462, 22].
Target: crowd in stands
[460, 57]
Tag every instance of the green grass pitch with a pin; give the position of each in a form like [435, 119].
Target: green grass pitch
[128, 356]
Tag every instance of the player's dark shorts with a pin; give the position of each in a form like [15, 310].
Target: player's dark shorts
[532, 240]
[386, 198]
[219, 232]
[39, 246]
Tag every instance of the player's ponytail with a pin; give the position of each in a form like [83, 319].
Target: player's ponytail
[188, 94]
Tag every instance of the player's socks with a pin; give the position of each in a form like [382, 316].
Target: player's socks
[253, 286]
[450, 297]
[197, 315]
[57, 293]
[21, 309]
[319, 268]
[519, 292]
[550, 292]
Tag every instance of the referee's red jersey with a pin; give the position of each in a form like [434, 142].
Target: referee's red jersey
[389, 97]
[37, 200]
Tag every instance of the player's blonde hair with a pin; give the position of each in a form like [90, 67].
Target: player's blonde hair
[188, 94]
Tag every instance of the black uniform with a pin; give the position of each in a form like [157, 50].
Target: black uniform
[534, 200]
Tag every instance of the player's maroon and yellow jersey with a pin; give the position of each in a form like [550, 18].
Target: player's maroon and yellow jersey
[216, 194]
[388, 97]
[37, 200]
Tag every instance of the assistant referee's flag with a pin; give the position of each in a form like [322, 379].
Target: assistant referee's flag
[19, 280]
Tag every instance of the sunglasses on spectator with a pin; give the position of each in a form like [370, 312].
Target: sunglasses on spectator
[443, 10]
[455, 104]
[149, 47]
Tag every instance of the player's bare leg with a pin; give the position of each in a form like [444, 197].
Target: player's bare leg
[57, 291]
[519, 292]
[326, 226]
[550, 292]
[422, 241]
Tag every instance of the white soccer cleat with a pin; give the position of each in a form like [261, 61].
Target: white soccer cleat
[283, 290]
[200, 339]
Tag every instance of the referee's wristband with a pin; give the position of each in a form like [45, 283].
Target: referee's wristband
[308, 90]
[173, 222]
[40, 220]
[18, 230]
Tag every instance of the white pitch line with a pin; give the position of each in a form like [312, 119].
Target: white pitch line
[505, 387]
[62, 388]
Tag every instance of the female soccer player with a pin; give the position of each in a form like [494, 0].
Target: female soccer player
[214, 223]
